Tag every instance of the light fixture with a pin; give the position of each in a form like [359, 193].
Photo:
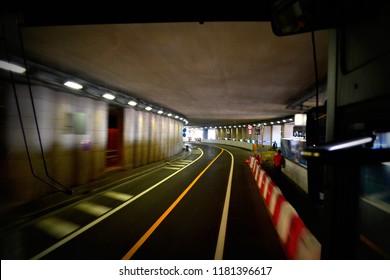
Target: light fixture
[11, 67]
[148, 108]
[349, 143]
[160, 112]
[132, 103]
[169, 115]
[109, 96]
[73, 85]
[300, 119]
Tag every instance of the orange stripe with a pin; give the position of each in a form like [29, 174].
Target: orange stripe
[142, 240]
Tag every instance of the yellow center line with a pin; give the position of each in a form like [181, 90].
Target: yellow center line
[142, 240]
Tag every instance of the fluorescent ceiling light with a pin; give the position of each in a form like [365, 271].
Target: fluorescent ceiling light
[148, 108]
[169, 115]
[350, 144]
[11, 67]
[73, 85]
[160, 112]
[109, 96]
[132, 103]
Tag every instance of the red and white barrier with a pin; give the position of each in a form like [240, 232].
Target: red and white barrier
[266, 186]
[257, 171]
[279, 202]
[260, 178]
[268, 192]
[287, 213]
[251, 162]
[308, 247]
[299, 243]
[274, 197]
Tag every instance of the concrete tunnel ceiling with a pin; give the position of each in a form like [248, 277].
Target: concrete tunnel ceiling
[215, 73]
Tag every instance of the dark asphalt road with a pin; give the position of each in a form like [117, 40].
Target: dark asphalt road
[174, 212]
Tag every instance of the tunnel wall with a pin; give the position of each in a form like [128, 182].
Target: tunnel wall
[74, 132]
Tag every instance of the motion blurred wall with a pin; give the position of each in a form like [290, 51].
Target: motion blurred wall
[74, 132]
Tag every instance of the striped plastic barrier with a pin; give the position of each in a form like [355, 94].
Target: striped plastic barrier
[295, 231]
[260, 178]
[265, 183]
[255, 163]
[276, 192]
[299, 243]
[287, 212]
[308, 247]
[251, 162]
[279, 202]
[268, 194]
[257, 171]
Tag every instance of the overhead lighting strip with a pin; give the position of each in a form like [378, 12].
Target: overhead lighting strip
[55, 79]
[12, 67]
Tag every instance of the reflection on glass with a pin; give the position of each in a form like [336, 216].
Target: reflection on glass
[374, 205]
[375, 178]
[291, 149]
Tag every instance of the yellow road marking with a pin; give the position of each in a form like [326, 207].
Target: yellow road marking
[142, 240]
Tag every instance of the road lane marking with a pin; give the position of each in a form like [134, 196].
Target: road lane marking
[113, 211]
[92, 208]
[222, 228]
[177, 165]
[172, 168]
[118, 195]
[149, 232]
[185, 161]
[56, 227]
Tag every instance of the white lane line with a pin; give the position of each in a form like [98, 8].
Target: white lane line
[172, 168]
[118, 195]
[185, 161]
[222, 228]
[101, 218]
[92, 208]
[56, 227]
[177, 165]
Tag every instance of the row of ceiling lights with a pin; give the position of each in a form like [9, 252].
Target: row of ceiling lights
[53, 77]
[133, 102]
[109, 96]
[273, 122]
